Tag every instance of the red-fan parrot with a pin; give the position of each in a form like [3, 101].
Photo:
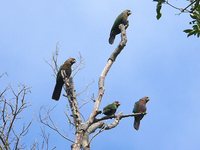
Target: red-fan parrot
[59, 79]
[121, 19]
[139, 107]
[111, 108]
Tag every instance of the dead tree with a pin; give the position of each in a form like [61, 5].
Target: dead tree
[10, 112]
[85, 131]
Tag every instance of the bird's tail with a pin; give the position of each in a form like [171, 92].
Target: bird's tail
[111, 38]
[57, 91]
[136, 124]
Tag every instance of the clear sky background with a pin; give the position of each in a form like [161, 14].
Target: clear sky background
[159, 61]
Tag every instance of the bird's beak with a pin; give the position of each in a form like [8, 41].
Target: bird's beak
[129, 13]
[147, 99]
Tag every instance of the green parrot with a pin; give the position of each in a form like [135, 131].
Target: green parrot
[139, 107]
[59, 79]
[111, 108]
[121, 19]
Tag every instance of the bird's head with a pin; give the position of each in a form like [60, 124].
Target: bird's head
[128, 12]
[71, 60]
[145, 99]
[117, 103]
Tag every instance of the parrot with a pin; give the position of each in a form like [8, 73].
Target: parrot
[121, 19]
[111, 108]
[59, 79]
[139, 107]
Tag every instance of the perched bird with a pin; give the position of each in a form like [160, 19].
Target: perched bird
[139, 107]
[59, 79]
[121, 19]
[111, 108]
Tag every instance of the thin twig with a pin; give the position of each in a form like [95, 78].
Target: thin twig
[52, 125]
[80, 64]
[85, 89]
[101, 130]
[5, 73]
[182, 10]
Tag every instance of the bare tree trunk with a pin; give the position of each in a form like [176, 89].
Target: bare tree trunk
[78, 141]
[85, 142]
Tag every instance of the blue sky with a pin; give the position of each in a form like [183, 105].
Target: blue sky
[159, 61]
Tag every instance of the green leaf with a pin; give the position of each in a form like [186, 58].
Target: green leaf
[158, 10]
[193, 16]
[195, 27]
[187, 30]
[158, 16]
[191, 33]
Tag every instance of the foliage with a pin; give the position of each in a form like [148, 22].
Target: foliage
[193, 9]
[195, 15]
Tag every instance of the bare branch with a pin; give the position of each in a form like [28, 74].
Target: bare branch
[4, 142]
[55, 59]
[10, 112]
[102, 128]
[34, 146]
[1, 94]
[183, 10]
[47, 121]
[3, 74]
[18, 108]
[80, 64]
[95, 126]
[45, 139]
[85, 89]
[54, 64]
[69, 120]
[114, 123]
[122, 116]
[121, 45]
[104, 73]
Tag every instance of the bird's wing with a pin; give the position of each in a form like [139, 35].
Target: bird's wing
[117, 21]
[136, 107]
